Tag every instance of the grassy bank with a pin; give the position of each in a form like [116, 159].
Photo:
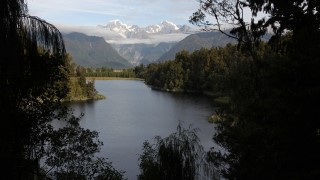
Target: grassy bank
[112, 78]
[83, 98]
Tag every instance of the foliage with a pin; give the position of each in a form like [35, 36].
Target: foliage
[102, 72]
[34, 76]
[80, 88]
[69, 154]
[178, 156]
[270, 127]
[202, 70]
[281, 16]
[32, 81]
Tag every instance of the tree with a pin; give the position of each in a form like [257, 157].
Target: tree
[33, 77]
[70, 154]
[228, 13]
[283, 16]
[267, 134]
[178, 156]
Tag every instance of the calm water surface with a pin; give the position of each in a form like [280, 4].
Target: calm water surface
[133, 113]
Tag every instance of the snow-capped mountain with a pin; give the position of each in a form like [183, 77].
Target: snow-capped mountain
[134, 31]
[135, 43]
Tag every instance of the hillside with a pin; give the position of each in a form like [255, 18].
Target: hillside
[197, 41]
[92, 51]
[143, 53]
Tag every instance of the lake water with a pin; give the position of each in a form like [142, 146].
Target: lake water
[133, 113]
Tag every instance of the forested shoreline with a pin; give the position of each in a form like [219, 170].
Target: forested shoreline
[269, 128]
[81, 82]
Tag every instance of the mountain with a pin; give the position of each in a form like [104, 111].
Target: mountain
[137, 32]
[143, 53]
[140, 45]
[92, 51]
[197, 41]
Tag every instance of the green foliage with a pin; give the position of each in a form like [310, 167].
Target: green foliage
[270, 118]
[178, 156]
[80, 89]
[139, 71]
[104, 72]
[202, 70]
[70, 154]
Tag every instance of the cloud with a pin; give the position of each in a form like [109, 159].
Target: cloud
[154, 39]
[114, 38]
[84, 15]
[93, 12]
[89, 30]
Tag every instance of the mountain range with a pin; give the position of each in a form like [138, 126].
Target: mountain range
[132, 45]
[136, 32]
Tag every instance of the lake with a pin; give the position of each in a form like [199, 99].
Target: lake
[133, 113]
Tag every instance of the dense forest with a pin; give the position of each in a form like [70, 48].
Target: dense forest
[201, 71]
[269, 129]
[270, 125]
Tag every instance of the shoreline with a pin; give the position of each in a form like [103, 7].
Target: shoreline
[113, 78]
[85, 99]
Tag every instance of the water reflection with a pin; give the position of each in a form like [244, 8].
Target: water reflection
[133, 113]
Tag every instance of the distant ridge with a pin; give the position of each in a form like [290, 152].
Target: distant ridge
[92, 51]
[197, 41]
[143, 53]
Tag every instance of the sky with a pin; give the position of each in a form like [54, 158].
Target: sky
[100, 12]
[85, 15]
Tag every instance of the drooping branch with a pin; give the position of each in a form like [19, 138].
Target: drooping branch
[42, 34]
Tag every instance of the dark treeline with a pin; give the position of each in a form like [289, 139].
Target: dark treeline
[201, 71]
[270, 127]
[34, 77]
[101, 72]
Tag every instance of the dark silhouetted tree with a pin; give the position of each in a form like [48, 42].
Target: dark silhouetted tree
[270, 128]
[32, 81]
[178, 156]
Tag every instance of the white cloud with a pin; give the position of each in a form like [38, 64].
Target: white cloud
[93, 12]
[154, 39]
[114, 38]
[84, 15]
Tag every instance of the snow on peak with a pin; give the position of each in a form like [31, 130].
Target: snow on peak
[169, 25]
[134, 31]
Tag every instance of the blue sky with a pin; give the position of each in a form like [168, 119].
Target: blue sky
[95, 12]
